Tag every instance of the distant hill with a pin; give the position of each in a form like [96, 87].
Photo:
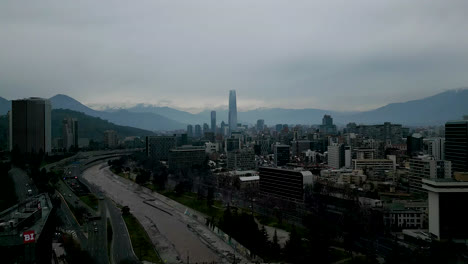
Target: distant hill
[433, 110]
[61, 101]
[149, 121]
[5, 106]
[91, 127]
[271, 116]
[88, 127]
[171, 113]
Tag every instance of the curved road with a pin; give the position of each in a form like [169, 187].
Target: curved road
[176, 240]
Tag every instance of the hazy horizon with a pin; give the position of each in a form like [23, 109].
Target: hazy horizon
[340, 56]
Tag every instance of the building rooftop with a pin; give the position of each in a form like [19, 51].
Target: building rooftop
[249, 178]
[444, 185]
[30, 215]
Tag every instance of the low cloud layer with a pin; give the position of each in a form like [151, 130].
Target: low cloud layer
[337, 55]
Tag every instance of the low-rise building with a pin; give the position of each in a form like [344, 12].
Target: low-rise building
[249, 182]
[355, 177]
[374, 167]
[400, 215]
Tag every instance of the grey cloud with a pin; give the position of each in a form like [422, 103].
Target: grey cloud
[343, 55]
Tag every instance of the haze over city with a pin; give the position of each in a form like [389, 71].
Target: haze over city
[221, 131]
[334, 55]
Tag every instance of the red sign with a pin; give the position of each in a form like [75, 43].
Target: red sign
[29, 237]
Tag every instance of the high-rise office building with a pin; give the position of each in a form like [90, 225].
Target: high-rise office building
[223, 128]
[69, 133]
[435, 147]
[31, 125]
[232, 144]
[206, 128]
[284, 183]
[327, 126]
[336, 156]
[232, 111]
[414, 144]
[456, 145]
[110, 138]
[260, 125]
[447, 214]
[279, 127]
[427, 168]
[281, 154]
[241, 159]
[198, 131]
[158, 147]
[10, 132]
[387, 132]
[213, 122]
[190, 131]
[186, 157]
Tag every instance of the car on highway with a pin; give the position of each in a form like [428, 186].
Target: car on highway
[95, 229]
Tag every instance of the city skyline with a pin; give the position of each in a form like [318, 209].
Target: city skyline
[353, 56]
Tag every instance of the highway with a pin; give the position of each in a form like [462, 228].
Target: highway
[172, 233]
[97, 240]
[121, 245]
[22, 184]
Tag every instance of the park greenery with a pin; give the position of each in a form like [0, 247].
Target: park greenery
[141, 242]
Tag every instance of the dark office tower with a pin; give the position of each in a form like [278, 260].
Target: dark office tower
[327, 126]
[69, 133]
[414, 144]
[183, 139]
[351, 128]
[281, 154]
[198, 131]
[31, 125]
[223, 128]
[279, 127]
[232, 111]
[327, 120]
[158, 147]
[260, 125]
[456, 144]
[206, 128]
[190, 131]
[213, 122]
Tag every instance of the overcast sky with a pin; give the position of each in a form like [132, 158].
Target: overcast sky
[335, 55]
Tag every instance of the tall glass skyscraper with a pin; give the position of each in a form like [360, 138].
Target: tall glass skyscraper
[31, 125]
[213, 121]
[232, 111]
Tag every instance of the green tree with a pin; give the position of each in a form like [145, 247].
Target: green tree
[210, 197]
[293, 248]
[275, 247]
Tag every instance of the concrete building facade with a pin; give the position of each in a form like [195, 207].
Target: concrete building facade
[158, 147]
[284, 183]
[31, 125]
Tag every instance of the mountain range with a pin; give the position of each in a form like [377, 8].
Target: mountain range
[433, 110]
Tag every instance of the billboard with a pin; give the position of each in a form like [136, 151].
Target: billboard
[29, 237]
